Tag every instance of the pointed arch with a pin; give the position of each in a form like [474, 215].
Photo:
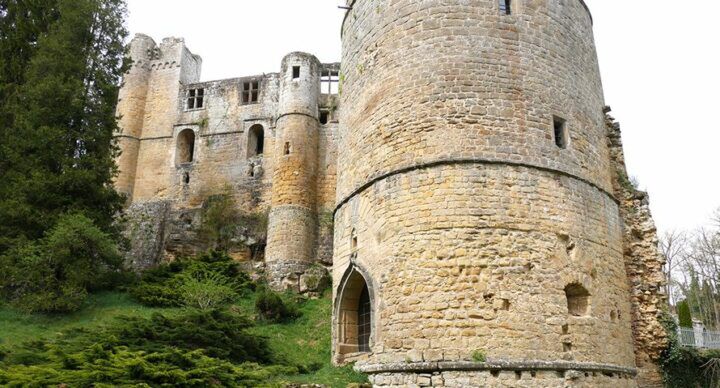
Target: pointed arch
[355, 312]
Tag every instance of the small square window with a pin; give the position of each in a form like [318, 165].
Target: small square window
[296, 72]
[195, 99]
[505, 7]
[560, 132]
[250, 92]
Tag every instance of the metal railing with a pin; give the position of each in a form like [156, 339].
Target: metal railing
[699, 338]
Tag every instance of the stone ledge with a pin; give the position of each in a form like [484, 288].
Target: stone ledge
[531, 365]
[467, 161]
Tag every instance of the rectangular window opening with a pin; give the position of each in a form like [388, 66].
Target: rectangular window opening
[250, 92]
[324, 117]
[505, 7]
[560, 132]
[329, 82]
[296, 72]
[195, 99]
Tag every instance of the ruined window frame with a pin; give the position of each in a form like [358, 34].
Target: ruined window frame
[329, 82]
[250, 93]
[195, 99]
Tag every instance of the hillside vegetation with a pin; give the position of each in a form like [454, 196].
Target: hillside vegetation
[114, 339]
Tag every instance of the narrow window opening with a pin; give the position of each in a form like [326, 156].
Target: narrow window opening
[250, 92]
[518, 375]
[353, 241]
[296, 72]
[185, 151]
[364, 320]
[256, 141]
[324, 117]
[560, 132]
[195, 98]
[287, 148]
[577, 299]
[567, 347]
[186, 178]
[505, 7]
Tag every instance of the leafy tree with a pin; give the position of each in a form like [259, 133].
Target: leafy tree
[55, 273]
[684, 317]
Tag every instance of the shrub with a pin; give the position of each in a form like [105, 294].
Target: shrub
[206, 290]
[207, 281]
[192, 349]
[270, 306]
[56, 273]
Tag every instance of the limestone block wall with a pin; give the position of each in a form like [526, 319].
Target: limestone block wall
[293, 227]
[157, 122]
[470, 221]
[173, 65]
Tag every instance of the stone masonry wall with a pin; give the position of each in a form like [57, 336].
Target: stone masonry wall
[154, 113]
[454, 198]
[644, 266]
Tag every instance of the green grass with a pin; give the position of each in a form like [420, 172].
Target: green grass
[305, 341]
[99, 309]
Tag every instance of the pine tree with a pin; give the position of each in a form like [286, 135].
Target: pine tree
[58, 146]
[57, 103]
[684, 317]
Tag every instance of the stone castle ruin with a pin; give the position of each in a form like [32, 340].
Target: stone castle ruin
[458, 176]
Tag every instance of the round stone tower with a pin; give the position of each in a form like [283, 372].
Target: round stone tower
[475, 218]
[292, 223]
[131, 109]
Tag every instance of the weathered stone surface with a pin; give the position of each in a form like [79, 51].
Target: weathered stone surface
[471, 200]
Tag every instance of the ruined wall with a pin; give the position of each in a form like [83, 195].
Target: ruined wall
[156, 117]
[644, 266]
[455, 200]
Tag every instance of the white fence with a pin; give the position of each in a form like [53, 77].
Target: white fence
[699, 338]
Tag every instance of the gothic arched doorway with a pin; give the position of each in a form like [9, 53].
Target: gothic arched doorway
[355, 315]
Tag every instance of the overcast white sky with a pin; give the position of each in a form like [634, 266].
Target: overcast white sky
[660, 63]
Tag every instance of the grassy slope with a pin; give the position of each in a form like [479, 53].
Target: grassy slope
[305, 341]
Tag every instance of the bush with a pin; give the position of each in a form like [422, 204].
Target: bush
[207, 281]
[56, 273]
[207, 290]
[270, 306]
[193, 349]
[685, 367]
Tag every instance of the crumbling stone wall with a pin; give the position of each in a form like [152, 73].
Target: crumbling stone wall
[643, 263]
[154, 112]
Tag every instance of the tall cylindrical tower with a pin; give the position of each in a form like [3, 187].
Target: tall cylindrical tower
[131, 110]
[292, 220]
[474, 214]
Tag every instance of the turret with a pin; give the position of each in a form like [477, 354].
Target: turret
[131, 110]
[147, 107]
[292, 222]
